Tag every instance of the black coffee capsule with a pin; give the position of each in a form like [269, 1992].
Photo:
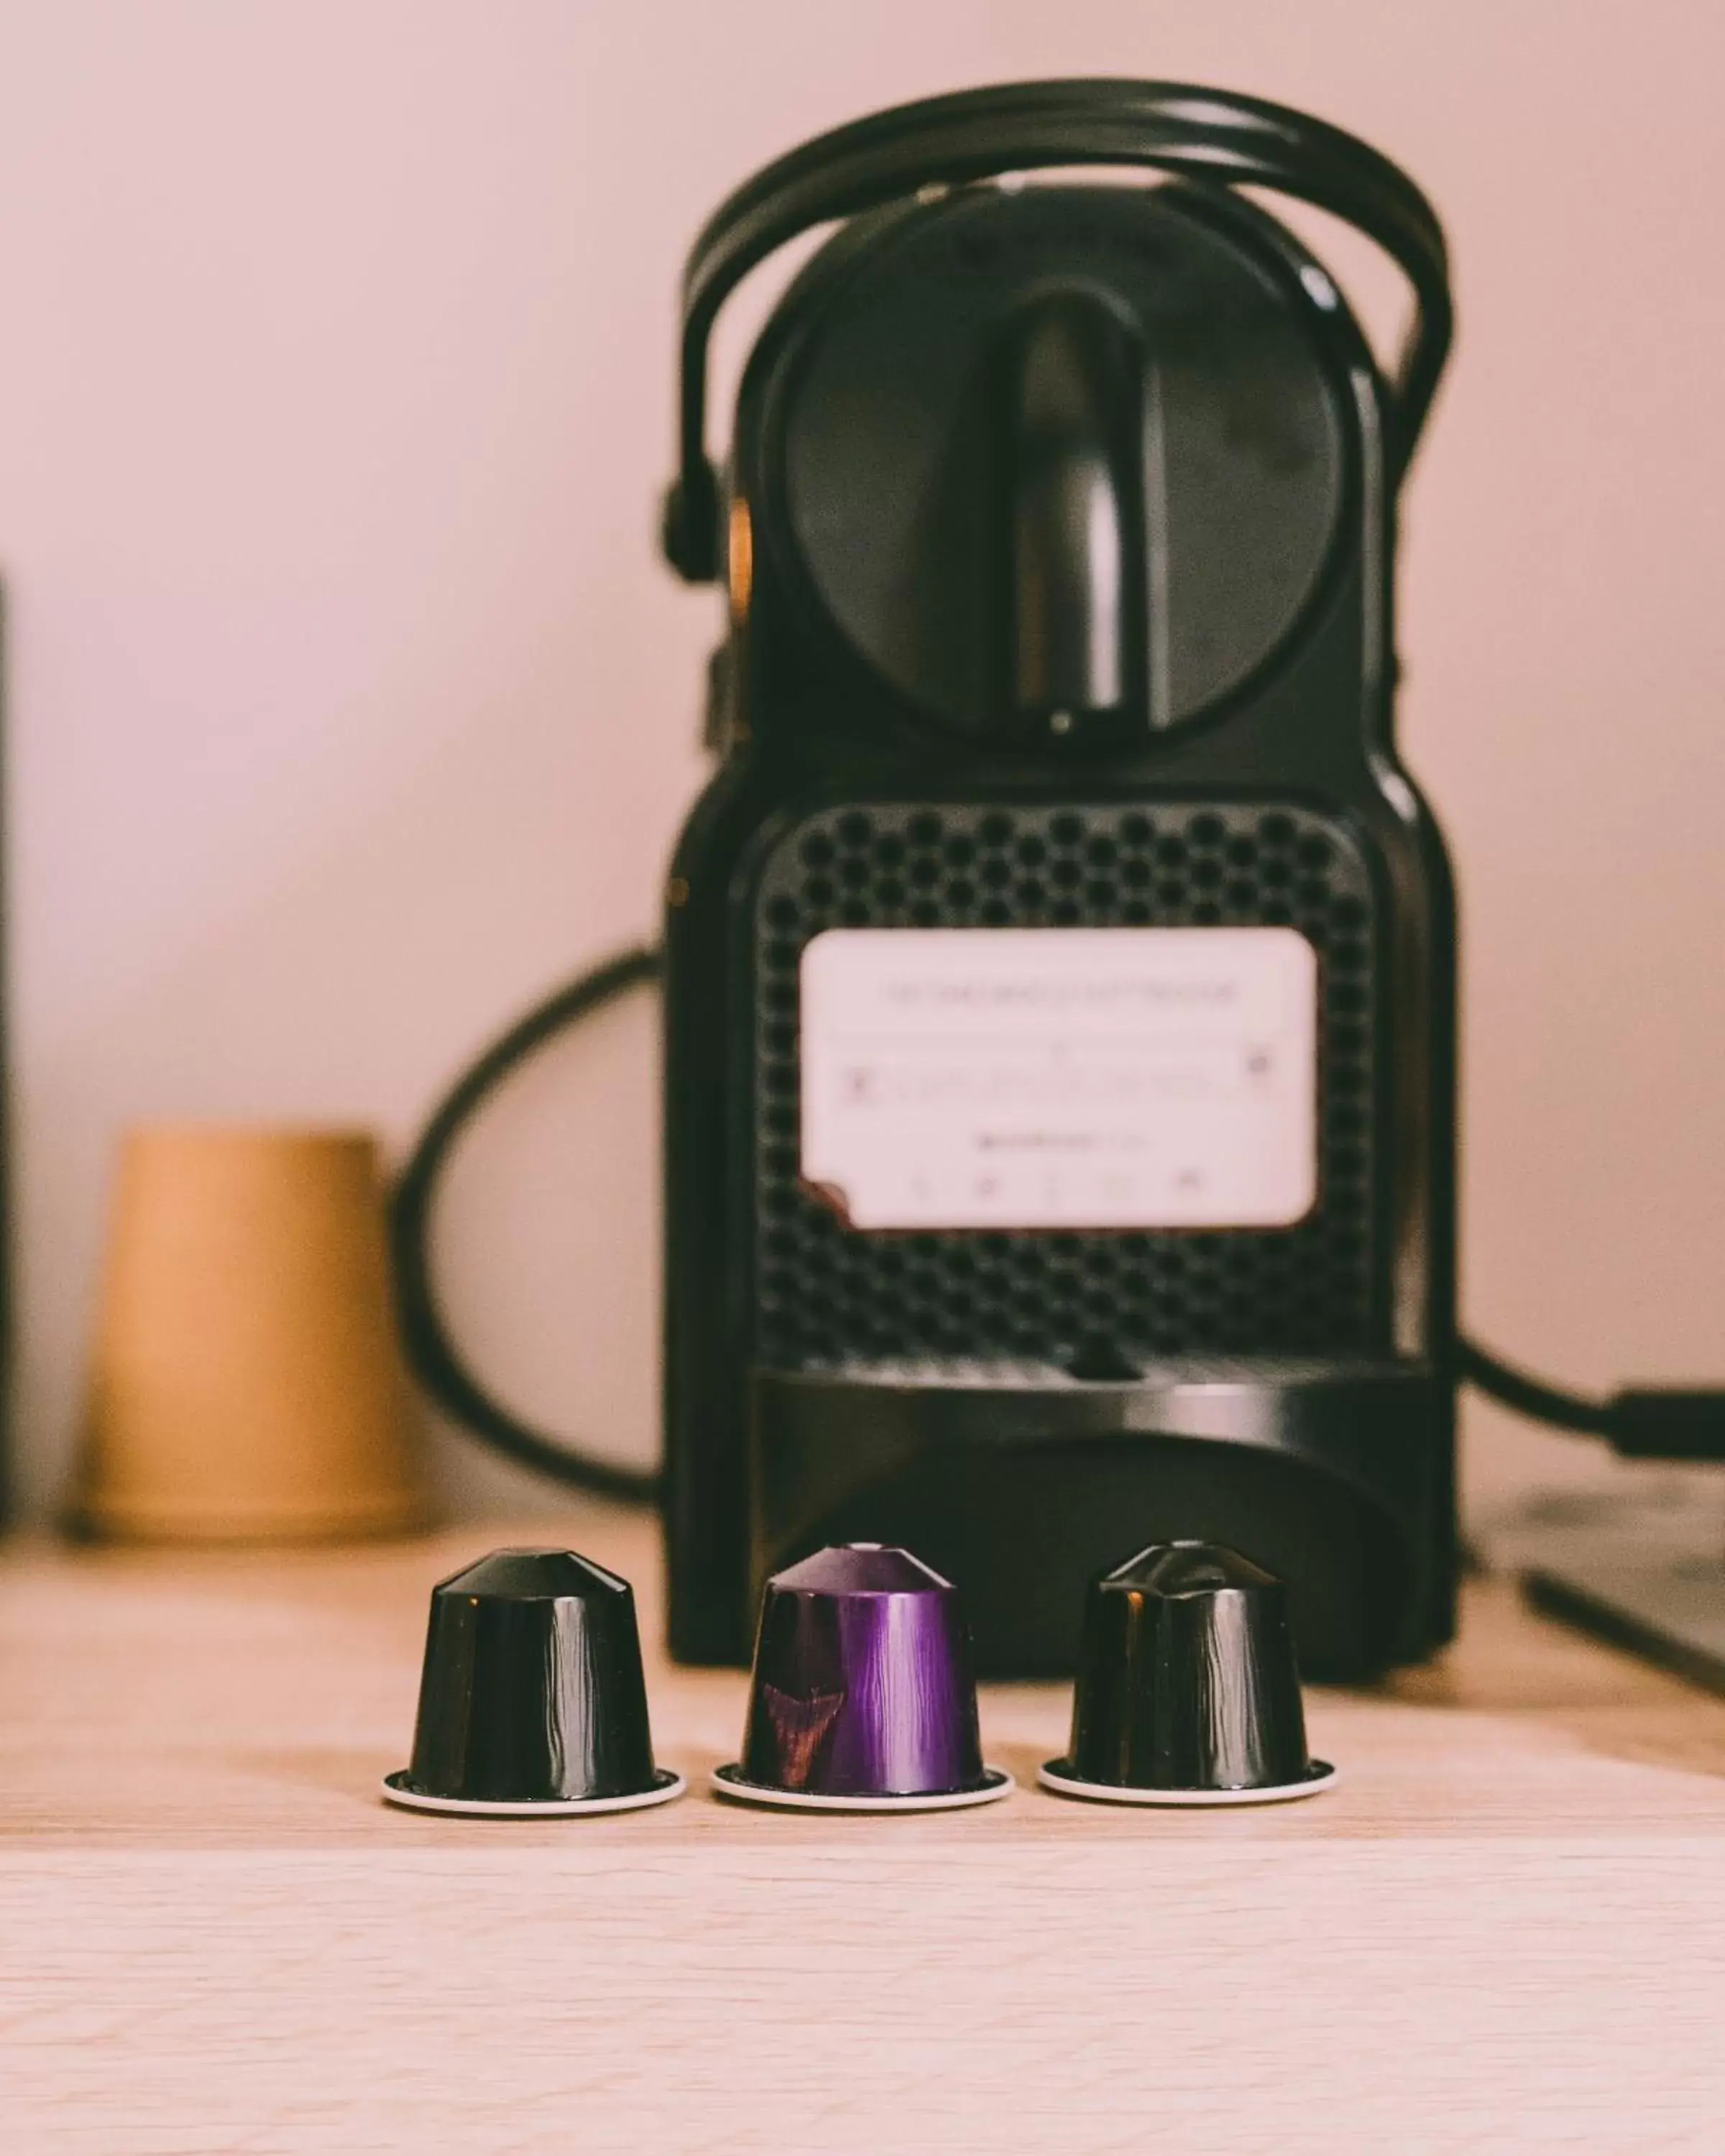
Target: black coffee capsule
[862, 1698]
[1187, 1692]
[532, 1699]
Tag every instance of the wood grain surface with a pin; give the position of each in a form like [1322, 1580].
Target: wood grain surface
[1504, 1930]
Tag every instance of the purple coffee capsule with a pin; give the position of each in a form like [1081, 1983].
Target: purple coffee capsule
[1187, 1690]
[862, 1698]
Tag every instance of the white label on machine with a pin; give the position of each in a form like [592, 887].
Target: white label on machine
[1060, 1077]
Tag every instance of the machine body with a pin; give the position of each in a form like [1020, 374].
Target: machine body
[1060, 963]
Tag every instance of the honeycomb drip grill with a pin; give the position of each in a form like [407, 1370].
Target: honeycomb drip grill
[826, 1294]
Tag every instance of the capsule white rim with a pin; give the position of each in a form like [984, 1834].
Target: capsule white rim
[1323, 1776]
[728, 1782]
[666, 1786]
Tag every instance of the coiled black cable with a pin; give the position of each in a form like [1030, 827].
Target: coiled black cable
[431, 1353]
[1531, 1396]
[1664, 1422]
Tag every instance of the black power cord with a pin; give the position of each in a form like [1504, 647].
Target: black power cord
[431, 1353]
[1657, 1423]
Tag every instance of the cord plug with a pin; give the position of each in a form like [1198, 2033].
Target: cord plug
[1667, 1424]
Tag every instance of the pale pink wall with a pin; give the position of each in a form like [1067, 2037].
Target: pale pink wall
[349, 707]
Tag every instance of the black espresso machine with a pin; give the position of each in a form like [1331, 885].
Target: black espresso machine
[1060, 967]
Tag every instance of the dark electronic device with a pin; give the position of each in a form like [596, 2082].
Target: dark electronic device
[1060, 967]
[1059, 524]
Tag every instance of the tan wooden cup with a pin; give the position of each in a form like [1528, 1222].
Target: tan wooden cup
[247, 1385]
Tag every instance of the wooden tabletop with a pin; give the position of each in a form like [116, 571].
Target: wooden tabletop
[1503, 1930]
